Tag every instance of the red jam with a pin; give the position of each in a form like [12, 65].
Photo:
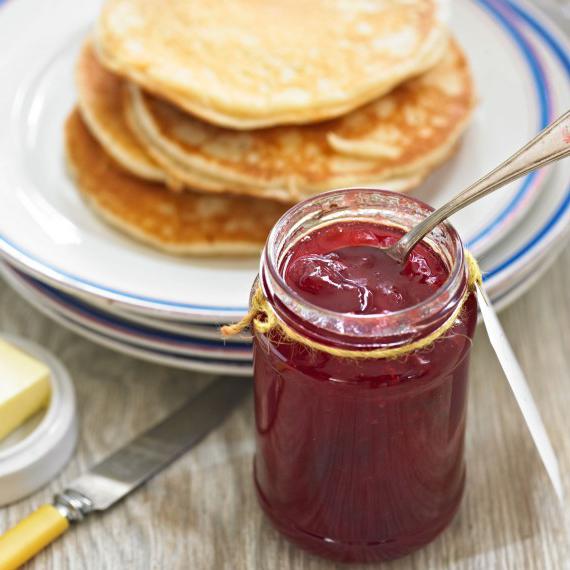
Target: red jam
[361, 460]
[342, 267]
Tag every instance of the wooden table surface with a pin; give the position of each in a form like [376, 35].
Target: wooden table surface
[201, 513]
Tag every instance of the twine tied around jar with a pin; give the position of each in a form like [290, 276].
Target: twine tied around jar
[260, 307]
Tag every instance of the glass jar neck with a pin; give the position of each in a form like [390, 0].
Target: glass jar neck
[357, 331]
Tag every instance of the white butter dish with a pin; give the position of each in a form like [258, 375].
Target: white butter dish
[38, 450]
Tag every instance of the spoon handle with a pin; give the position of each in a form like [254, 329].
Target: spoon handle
[553, 143]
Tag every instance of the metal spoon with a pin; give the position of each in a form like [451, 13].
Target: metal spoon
[553, 143]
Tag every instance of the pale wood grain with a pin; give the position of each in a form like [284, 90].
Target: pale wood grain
[201, 513]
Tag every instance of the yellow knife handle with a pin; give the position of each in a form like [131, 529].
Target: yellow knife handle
[30, 536]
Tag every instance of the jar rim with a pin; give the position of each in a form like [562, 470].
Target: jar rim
[389, 324]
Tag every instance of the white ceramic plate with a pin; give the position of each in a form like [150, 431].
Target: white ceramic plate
[122, 330]
[61, 315]
[46, 229]
[105, 333]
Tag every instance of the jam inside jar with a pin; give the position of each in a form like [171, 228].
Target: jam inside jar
[361, 459]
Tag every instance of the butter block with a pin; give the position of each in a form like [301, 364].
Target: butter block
[25, 387]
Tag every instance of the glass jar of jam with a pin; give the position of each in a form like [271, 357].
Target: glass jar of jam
[361, 458]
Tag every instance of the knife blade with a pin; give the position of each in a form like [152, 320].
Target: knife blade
[123, 471]
[521, 391]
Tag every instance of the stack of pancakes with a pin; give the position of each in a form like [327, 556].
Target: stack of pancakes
[199, 123]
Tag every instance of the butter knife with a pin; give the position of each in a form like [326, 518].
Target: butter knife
[123, 471]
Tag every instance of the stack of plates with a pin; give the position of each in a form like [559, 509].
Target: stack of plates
[166, 309]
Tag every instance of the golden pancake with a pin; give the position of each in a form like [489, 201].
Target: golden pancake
[256, 63]
[184, 223]
[393, 142]
[100, 104]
